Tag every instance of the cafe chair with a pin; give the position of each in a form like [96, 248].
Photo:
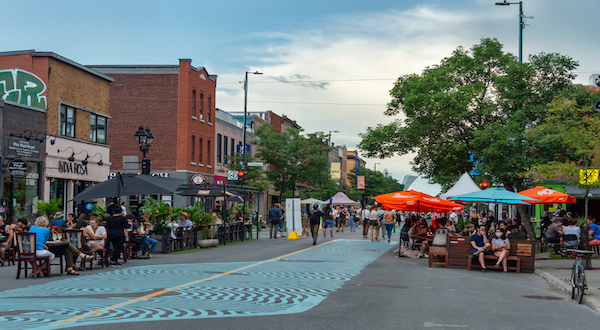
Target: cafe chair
[26, 255]
[75, 237]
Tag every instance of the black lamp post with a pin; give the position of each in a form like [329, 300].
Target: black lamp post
[144, 137]
[522, 24]
[245, 115]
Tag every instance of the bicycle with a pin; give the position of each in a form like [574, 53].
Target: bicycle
[578, 280]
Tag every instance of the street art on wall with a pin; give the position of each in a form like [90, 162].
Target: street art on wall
[22, 87]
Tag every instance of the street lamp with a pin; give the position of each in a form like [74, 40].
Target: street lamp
[245, 113]
[375, 169]
[522, 24]
[144, 137]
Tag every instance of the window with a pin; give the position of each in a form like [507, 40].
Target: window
[98, 128]
[194, 103]
[208, 152]
[67, 121]
[200, 151]
[200, 105]
[209, 109]
[225, 139]
[193, 148]
[219, 158]
[232, 147]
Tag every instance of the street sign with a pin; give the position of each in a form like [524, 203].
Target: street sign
[232, 175]
[89, 206]
[258, 164]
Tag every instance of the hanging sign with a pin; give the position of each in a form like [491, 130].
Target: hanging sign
[18, 168]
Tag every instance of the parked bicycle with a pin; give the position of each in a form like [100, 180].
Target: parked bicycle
[578, 280]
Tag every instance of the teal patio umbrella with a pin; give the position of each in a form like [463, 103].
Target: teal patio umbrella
[494, 195]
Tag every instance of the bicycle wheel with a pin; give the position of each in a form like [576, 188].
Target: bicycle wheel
[582, 286]
[578, 285]
[573, 281]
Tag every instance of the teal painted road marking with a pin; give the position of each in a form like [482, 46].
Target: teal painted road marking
[290, 284]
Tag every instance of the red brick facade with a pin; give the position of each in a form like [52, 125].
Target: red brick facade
[162, 98]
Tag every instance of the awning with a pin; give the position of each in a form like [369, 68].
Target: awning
[579, 193]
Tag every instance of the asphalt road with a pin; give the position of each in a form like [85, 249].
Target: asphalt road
[342, 283]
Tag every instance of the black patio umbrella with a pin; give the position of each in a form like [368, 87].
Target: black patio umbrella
[127, 184]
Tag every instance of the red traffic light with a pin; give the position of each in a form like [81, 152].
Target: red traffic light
[241, 175]
[484, 185]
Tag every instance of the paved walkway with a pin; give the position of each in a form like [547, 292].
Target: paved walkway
[558, 271]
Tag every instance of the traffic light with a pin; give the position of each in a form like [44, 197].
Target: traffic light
[242, 176]
[146, 166]
[484, 185]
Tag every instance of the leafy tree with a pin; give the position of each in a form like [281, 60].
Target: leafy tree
[375, 184]
[571, 126]
[293, 158]
[480, 102]
[322, 191]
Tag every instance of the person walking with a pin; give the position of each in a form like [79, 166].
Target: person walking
[366, 213]
[115, 225]
[374, 223]
[342, 218]
[389, 217]
[328, 221]
[274, 218]
[315, 221]
[352, 219]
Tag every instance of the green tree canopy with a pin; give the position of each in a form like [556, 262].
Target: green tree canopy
[293, 158]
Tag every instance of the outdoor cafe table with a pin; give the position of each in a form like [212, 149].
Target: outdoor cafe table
[55, 247]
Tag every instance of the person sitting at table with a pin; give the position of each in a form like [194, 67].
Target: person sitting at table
[572, 230]
[418, 233]
[42, 234]
[71, 222]
[149, 242]
[7, 237]
[480, 245]
[184, 221]
[20, 225]
[237, 217]
[40, 227]
[134, 235]
[501, 248]
[95, 234]
[82, 221]
[58, 220]
[469, 230]
[594, 231]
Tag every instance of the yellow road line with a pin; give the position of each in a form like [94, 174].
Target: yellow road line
[161, 292]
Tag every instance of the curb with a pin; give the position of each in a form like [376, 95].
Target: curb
[566, 288]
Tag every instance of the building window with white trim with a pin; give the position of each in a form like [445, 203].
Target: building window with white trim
[67, 121]
[98, 128]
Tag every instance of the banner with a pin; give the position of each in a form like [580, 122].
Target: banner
[336, 171]
[360, 183]
[588, 176]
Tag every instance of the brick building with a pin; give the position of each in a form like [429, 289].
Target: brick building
[176, 102]
[76, 103]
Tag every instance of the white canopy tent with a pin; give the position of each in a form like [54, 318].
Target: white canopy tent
[464, 185]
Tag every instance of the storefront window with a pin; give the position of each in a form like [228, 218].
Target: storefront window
[20, 193]
[58, 188]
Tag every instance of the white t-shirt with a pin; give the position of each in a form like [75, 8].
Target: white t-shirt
[334, 214]
[453, 217]
[374, 215]
[365, 214]
[99, 232]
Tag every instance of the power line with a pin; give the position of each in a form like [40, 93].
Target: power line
[237, 101]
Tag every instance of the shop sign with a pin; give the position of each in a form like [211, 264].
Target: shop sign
[198, 179]
[70, 167]
[18, 168]
[23, 148]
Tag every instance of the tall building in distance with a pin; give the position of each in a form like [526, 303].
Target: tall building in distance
[177, 104]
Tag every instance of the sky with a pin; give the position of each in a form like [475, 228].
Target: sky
[327, 64]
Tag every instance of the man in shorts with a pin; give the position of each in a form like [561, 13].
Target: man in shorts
[480, 245]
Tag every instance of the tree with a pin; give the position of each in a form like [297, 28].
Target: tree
[477, 103]
[375, 184]
[571, 126]
[293, 158]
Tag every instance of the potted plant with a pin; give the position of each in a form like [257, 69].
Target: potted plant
[159, 214]
[205, 242]
[48, 208]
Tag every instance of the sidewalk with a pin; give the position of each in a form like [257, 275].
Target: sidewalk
[557, 271]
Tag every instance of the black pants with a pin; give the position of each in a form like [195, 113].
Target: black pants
[117, 243]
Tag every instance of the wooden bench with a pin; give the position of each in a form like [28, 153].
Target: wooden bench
[438, 255]
[475, 261]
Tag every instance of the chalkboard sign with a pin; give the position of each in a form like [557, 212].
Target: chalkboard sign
[18, 168]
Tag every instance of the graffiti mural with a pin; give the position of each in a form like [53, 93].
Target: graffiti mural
[23, 87]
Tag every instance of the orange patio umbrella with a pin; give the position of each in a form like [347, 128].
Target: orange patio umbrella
[411, 200]
[547, 196]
